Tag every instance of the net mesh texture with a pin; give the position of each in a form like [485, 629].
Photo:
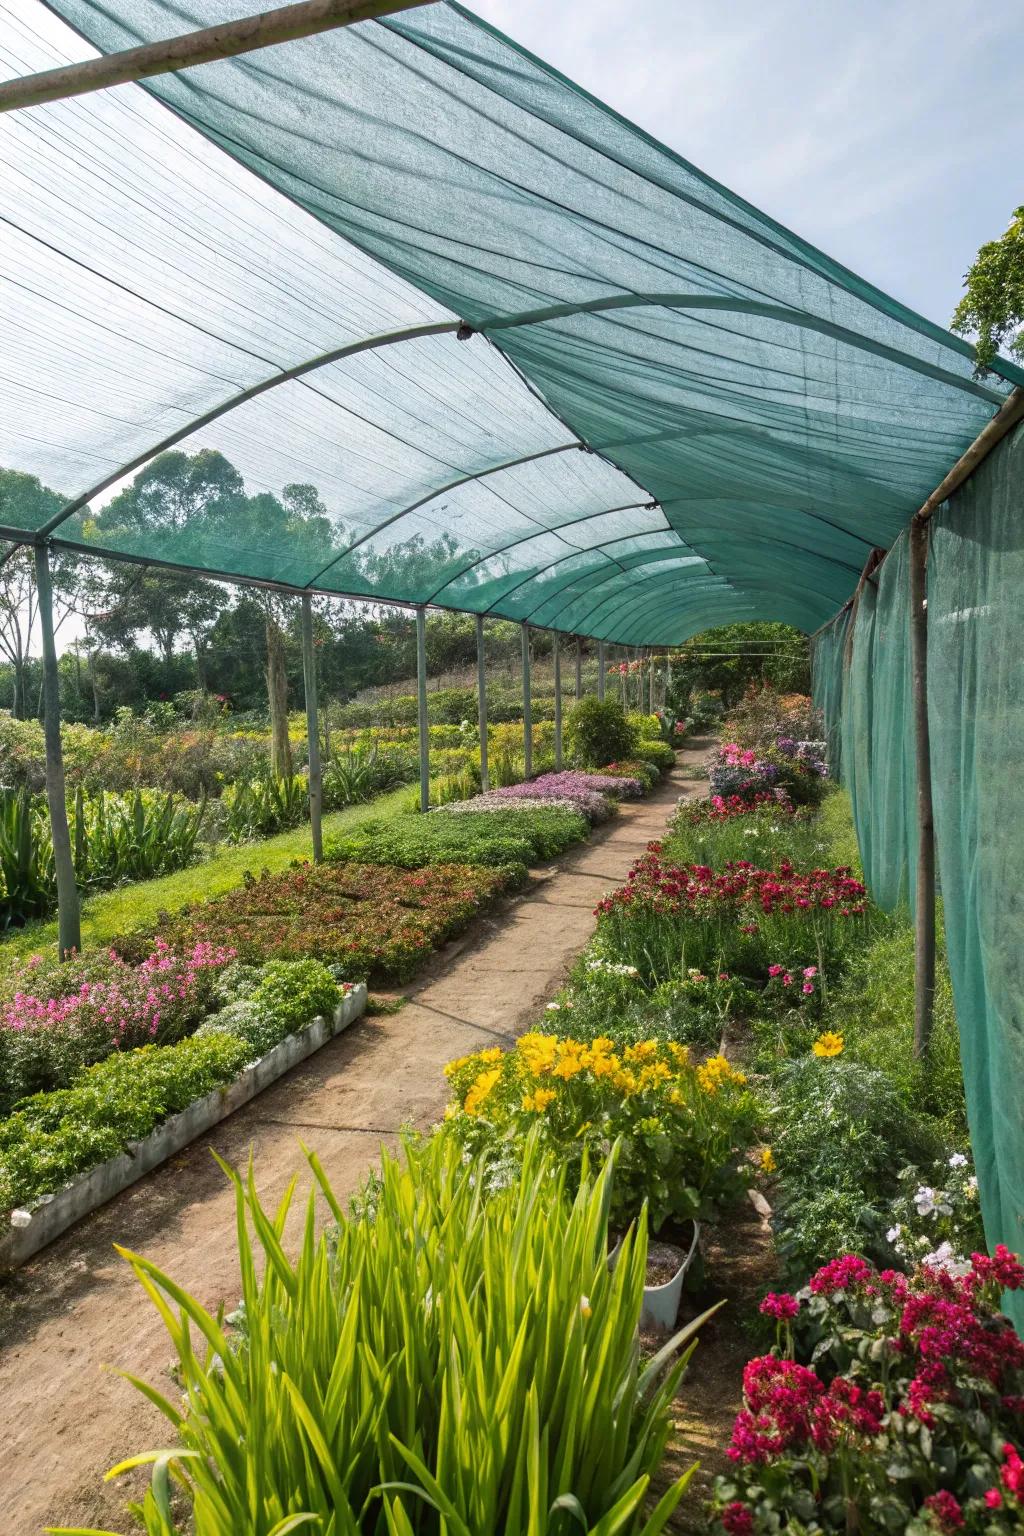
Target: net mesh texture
[976, 721]
[671, 412]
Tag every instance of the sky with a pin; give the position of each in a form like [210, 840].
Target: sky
[886, 132]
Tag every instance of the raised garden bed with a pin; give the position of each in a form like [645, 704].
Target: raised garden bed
[33, 1227]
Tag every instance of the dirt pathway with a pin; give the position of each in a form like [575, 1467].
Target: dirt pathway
[64, 1419]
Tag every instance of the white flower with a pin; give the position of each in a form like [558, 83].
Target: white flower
[924, 1199]
[972, 1186]
[945, 1258]
[893, 1233]
[958, 1160]
[553, 1007]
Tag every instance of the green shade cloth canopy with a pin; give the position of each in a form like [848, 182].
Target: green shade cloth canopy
[664, 412]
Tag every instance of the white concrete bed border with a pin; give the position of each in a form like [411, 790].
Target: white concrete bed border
[31, 1229]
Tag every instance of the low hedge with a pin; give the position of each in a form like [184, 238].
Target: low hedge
[497, 839]
[657, 752]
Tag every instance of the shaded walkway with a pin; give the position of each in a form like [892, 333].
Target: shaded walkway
[63, 1418]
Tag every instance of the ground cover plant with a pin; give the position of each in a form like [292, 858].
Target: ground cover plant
[682, 1126]
[717, 831]
[113, 1049]
[373, 920]
[522, 837]
[400, 1377]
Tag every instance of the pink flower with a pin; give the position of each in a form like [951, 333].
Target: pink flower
[737, 1519]
[807, 988]
[993, 1498]
[809, 971]
[944, 1506]
[775, 970]
[780, 1305]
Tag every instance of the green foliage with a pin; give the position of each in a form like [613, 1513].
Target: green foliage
[728, 659]
[657, 752]
[400, 1376]
[597, 732]
[496, 838]
[993, 305]
[266, 1003]
[355, 776]
[54, 1136]
[764, 834]
[114, 840]
[260, 807]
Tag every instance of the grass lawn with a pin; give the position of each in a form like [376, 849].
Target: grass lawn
[111, 912]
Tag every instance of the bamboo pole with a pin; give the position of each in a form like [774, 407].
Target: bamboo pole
[600, 670]
[924, 918]
[527, 710]
[421, 710]
[185, 51]
[557, 655]
[579, 669]
[69, 922]
[316, 792]
[1008, 415]
[481, 700]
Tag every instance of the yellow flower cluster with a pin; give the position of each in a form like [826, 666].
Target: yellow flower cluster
[712, 1073]
[480, 1090]
[828, 1044]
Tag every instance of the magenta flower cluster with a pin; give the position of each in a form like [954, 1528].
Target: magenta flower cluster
[132, 1004]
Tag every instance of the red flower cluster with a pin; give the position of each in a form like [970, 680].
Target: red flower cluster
[724, 807]
[945, 1508]
[780, 1305]
[740, 889]
[790, 1408]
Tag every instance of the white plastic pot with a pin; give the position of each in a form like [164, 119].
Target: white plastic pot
[661, 1302]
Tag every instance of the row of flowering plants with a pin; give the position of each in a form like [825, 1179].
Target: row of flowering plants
[682, 1124]
[789, 768]
[374, 920]
[892, 1402]
[740, 919]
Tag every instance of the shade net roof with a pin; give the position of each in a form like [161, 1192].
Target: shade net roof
[671, 412]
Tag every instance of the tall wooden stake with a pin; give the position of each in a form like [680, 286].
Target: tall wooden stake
[481, 700]
[69, 921]
[316, 791]
[421, 696]
[924, 922]
[557, 654]
[600, 670]
[527, 710]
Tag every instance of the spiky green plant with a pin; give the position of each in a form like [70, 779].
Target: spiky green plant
[458, 1360]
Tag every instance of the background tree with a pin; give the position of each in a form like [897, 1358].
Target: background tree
[993, 306]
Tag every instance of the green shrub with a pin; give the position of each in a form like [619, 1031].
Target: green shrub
[494, 838]
[54, 1136]
[439, 1352]
[292, 992]
[598, 733]
[647, 728]
[657, 752]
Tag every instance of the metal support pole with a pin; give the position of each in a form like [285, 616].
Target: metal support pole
[316, 795]
[69, 922]
[527, 711]
[223, 41]
[557, 654]
[481, 700]
[421, 694]
[651, 691]
[924, 918]
[579, 669]
[600, 670]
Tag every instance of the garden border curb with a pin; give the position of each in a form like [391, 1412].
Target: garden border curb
[33, 1229]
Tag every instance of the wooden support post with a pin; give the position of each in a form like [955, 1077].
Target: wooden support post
[69, 922]
[924, 920]
[527, 711]
[600, 670]
[579, 669]
[316, 795]
[652, 698]
[223, 41]
[557, 654]
[481, 700]
[421, 696]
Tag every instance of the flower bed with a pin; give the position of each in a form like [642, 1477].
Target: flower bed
[740, 920]
[909, 1416]
[371, 919]
[503, 838]
[591, 803]
[682, 1124]
[786, 767]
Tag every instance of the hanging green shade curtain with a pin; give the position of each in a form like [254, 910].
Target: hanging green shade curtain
[667, 411]
[976, 710]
